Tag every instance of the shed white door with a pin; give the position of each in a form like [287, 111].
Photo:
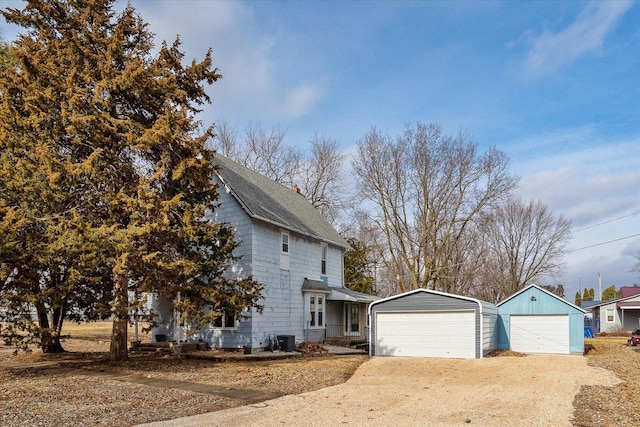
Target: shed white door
[439, 334]
[540, 334]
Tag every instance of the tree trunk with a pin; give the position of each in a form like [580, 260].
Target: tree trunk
[118, 349]
[49, 340]
[50, 343]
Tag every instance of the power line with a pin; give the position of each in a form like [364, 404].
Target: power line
[606, 222]
[604, 243]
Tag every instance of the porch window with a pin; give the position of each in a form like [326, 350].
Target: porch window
[610, 315]
[316, 311]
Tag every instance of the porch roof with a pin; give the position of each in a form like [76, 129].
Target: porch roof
[629, 305]
[344, 294]
[311, 285]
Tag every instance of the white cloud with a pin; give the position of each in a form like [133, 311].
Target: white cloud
[299, 100]
[243, 48]
[595, 182]
[586, 34]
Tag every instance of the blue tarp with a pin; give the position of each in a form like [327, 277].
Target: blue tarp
[588, 333]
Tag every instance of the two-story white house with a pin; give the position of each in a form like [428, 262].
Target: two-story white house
[287, 245]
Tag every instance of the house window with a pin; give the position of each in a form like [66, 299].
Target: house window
[284, 250]
[323, 267]
[226, 320]
[316, 311]
[610, 315]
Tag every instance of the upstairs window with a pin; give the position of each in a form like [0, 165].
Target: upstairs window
[323, 266]
[284, 250]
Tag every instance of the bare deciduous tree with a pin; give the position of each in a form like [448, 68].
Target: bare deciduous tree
[262, 151]
[267, 153]
[320, 177]
[226, 140]
[523, 242]
[635, 268]
[423, 190]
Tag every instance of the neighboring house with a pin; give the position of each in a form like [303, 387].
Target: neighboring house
[287, 245]
[629, 291]
[620, 313]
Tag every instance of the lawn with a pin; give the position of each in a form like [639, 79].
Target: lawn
[99, 331]
[98, 392]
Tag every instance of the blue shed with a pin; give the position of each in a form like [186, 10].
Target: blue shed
[535, 320]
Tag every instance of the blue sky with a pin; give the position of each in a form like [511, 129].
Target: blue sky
[554, 84]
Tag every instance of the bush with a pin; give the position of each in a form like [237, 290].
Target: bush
[618, 331]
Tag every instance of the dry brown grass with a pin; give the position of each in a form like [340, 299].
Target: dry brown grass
[81, 387]
[610, 406]
[99, 331]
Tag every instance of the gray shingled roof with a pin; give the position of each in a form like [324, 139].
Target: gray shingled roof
[267, 200]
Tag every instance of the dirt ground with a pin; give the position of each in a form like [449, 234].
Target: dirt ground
[536, 390]
[79, 388]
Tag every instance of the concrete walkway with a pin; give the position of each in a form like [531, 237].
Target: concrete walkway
[247, 395]
[226, 356]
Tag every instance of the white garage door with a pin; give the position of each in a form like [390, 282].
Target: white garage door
[441, 334]
[540, 334]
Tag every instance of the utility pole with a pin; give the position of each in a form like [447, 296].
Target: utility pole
[599, 286]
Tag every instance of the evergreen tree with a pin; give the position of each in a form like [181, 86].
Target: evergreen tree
[357, 268]
[588, 294]
[578, 299]
[5, 55]
[105, 183]
[610, 293]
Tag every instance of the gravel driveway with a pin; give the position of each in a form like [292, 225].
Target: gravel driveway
[500, 391]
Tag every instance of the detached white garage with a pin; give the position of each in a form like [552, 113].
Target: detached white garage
[426, 323]
[536, 321]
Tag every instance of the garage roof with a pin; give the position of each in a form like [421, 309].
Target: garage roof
[483, 305]
[542, 290]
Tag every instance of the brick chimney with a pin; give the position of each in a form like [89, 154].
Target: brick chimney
[296, 189]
